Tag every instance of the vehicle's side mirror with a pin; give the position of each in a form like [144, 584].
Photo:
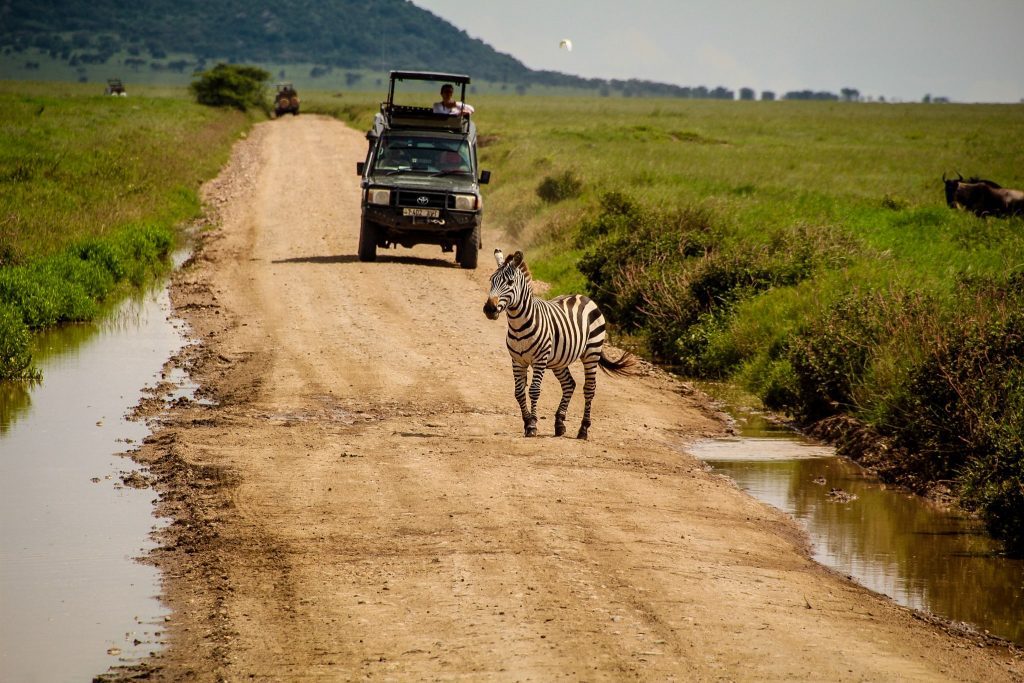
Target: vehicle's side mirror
[360, 167]
[485, 177]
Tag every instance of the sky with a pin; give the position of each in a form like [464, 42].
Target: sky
[966, 50]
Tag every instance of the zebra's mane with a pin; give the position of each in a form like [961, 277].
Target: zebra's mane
[518, 259]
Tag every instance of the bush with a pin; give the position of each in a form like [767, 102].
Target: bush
[232, 85]
[560, 187]
[70, 286]
[15, 358]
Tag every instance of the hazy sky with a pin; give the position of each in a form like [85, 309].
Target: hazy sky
[967, 50]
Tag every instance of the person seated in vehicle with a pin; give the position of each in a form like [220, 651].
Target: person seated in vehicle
[449, 106]
[452, 161]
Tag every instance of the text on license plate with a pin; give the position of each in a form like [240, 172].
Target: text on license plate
[425, 213]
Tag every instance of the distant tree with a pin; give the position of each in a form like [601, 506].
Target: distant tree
[746, 93]
[232, 85]
[721, 93]
[352, 77]
[809, 95]
[850, 94]
[134, 63]
[281, 75]
[927, 99]
[767, 96]
[521, 89]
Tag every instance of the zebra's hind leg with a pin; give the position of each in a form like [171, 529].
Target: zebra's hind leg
[568, 386]
[589, 389]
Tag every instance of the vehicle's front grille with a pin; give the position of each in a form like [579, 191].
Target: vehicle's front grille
[424, 200]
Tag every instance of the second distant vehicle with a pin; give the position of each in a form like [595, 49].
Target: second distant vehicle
[287, 100]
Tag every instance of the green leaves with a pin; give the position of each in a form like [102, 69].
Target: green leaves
[232, 85]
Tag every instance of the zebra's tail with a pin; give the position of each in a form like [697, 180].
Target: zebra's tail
[625, 365]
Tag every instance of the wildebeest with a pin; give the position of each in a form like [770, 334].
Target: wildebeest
[983, 197]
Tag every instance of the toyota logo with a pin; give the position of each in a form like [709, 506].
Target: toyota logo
[423, 200]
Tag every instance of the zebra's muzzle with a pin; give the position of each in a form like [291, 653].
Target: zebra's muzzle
[492, 308]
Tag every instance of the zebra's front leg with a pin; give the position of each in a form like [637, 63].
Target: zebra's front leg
[538, 377]
[529, 417]
[568, 386]
[589, 389]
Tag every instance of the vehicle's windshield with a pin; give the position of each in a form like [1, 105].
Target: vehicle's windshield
[400, 153]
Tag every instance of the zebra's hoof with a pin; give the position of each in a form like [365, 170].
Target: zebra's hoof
[531, 431]
[582, 434]
[559, 429]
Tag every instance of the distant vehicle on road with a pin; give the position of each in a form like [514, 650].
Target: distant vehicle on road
[115, 87]
[421, 178]
[286, 100]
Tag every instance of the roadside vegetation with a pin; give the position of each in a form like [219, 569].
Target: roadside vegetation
[93, 191]
[802, 250]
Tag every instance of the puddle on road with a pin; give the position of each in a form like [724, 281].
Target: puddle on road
[74, 599]
[894, 543]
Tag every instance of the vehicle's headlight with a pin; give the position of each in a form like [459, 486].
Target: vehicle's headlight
[378, 196]
[466, 202]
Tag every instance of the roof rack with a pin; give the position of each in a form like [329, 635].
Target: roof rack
[404, 116]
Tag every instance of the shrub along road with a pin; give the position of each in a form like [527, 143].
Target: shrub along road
[360, 501]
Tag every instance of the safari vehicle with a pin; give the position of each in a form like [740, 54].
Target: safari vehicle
[421, 178]
[286, 101]
[115, 87]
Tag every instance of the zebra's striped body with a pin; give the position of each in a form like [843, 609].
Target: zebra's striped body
[549, 335]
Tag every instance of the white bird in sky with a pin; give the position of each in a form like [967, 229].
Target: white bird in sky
[566, 43]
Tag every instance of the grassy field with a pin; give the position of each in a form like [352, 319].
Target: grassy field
[93, 190]
[801, 249]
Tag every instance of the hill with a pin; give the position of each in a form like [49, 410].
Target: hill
[340, 33]
[336, 41]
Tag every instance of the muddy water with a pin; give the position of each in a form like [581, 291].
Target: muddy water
[74, 601]
[900, 545]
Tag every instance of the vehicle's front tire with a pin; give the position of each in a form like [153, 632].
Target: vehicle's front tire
[469, 249]
[367, 241]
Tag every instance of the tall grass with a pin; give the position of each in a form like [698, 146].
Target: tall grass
[802, 249]
[92, 189]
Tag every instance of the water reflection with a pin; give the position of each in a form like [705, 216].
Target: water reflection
[892, 542]
[69, 533]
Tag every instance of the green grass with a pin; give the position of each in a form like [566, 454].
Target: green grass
[93, 190]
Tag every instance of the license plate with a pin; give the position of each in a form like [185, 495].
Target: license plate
[422, 213]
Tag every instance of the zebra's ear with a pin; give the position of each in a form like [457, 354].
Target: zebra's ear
[499, 258]
[518, 260]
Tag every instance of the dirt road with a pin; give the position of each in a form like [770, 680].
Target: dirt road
[360, 503]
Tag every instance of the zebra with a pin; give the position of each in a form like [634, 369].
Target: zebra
[549, 335]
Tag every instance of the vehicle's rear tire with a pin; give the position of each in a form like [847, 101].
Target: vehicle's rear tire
[367, 241]
[469, 249]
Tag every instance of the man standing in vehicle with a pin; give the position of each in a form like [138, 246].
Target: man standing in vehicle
[448, 105]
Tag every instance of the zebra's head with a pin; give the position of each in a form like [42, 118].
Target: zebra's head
[508, 283]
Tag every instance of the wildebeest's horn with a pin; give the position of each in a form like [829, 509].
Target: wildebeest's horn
[943, 176]
[958, 176]
[499, 257]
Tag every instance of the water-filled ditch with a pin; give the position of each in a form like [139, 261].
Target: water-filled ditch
[74, 599]
[922, 555]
